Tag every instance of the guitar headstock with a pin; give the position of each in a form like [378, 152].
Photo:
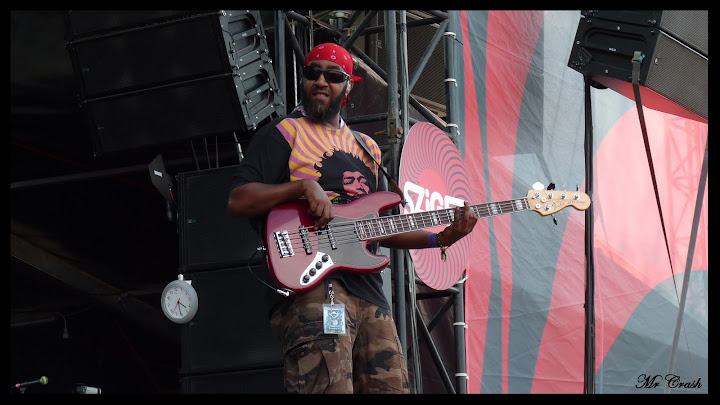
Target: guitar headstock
[548, 202]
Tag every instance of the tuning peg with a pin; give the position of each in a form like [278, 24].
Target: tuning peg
[554, 219]
[538, 186]
[551, 186]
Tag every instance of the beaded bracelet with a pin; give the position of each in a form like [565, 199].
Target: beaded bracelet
[442, 247]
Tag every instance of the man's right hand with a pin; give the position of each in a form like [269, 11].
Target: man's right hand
[319, 205]
[254, 199]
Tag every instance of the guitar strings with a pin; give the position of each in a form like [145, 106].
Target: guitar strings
[424, 217]
[399, 221]
[345, 232]
[343, 237]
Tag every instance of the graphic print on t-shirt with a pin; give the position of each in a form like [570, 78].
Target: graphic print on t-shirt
[345, 173]
[332, 157]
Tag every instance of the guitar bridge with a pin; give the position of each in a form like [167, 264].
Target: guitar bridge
[283, 243]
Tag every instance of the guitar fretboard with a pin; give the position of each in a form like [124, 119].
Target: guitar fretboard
[396, 224]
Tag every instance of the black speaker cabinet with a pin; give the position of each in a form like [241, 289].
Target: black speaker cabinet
[675, 48]
[265, 381]
[209, 237]
[231, 330]
[154, 77]
[84, 23]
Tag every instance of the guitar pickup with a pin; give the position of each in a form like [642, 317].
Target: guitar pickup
[283, 243]
[305, 240]
[331, 237]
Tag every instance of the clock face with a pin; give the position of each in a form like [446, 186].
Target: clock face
[179, 301]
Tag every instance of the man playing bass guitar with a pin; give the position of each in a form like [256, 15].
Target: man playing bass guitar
[312, 156]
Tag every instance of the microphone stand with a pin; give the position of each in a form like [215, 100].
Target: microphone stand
[23, 386]
[21, 390]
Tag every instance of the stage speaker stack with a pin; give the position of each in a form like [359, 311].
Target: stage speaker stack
[156, 77]
[674, 70]
[210, 238]
[228, 346]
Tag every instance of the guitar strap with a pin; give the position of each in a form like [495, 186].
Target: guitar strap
[636, 61]
[393, 186]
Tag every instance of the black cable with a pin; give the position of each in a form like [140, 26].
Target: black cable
[207, 154]
[195, 159]
[277, 290]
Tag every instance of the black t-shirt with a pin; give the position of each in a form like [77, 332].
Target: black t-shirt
[294, 148]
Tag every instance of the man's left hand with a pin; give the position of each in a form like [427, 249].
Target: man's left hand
[462, 225]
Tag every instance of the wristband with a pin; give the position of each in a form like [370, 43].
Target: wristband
[432, 240]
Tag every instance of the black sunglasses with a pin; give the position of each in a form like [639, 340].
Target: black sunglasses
[311, 72]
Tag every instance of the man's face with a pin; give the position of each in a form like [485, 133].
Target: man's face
[322, 99]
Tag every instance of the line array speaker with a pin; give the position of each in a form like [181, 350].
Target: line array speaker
[154, 77]
[84, 23]
[675, 48]
[231, 330]
[209, 237]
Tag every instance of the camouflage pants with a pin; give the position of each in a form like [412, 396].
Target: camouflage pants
[367, 359]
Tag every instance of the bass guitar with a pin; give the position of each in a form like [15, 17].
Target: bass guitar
[299, 256]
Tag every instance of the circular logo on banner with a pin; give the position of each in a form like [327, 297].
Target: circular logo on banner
[432, 177]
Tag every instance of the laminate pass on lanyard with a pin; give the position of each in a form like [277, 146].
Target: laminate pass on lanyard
[333, 315]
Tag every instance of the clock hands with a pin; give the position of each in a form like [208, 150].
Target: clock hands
[182, 305]
[177, 310]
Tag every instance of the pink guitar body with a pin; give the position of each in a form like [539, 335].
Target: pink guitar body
[299, 256]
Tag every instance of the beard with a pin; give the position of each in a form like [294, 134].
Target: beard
[319, 112]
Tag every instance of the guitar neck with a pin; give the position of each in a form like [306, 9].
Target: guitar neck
[396, 224]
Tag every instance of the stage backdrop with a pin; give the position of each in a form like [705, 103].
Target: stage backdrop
[522, 121]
